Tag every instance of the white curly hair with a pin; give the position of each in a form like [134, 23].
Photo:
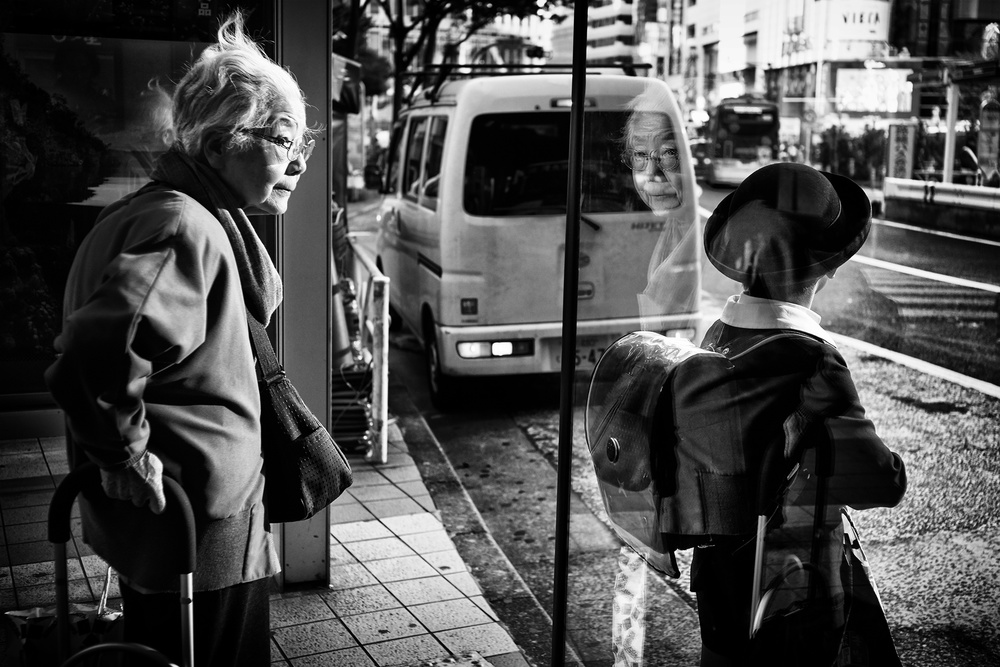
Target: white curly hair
[232, 84]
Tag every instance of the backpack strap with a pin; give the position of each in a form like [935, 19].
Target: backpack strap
[741, 345]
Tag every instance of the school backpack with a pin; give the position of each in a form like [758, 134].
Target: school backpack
[666, 441]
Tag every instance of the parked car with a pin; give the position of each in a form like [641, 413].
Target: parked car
[472, 227]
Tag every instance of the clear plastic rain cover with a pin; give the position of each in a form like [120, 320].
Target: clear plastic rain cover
[621, 427]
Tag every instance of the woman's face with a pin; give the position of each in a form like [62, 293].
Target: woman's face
[261, 174]
[655, 160]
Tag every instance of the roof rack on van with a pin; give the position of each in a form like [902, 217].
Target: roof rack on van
[448, 70]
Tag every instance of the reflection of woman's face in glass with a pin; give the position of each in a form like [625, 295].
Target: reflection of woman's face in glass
[655, 160]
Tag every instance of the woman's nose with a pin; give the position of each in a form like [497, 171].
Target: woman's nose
[297, 166]
[652, 169]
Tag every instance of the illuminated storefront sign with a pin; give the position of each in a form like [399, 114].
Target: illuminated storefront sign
[873, 90]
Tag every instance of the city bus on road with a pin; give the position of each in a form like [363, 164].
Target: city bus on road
[742, 137]
[473, 215]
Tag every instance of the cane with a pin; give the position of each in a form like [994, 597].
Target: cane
[87, 477]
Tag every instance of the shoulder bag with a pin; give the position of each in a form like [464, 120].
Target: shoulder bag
[304, 469]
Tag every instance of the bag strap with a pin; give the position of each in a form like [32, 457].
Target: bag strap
[270, 369]
[824, 466]
[753, 342]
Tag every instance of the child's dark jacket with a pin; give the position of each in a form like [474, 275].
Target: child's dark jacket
[800, 397]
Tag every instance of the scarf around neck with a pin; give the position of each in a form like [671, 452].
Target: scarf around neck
[258, 276]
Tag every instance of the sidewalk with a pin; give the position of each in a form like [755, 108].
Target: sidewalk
[400, 593]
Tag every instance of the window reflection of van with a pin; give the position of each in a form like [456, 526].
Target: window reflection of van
[472, 227]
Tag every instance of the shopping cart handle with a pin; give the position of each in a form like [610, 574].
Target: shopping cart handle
[87, 477]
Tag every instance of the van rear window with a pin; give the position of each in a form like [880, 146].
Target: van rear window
[518, 163]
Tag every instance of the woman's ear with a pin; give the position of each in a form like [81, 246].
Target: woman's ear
[167, 137]
[215, 148]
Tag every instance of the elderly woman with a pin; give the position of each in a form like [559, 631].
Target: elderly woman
[651, 151]
[155, 372]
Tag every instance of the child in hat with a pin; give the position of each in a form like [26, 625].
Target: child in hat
[782, 234]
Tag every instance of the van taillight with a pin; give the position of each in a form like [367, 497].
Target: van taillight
[492, 349]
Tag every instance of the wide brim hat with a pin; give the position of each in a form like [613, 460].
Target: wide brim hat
[787, 223]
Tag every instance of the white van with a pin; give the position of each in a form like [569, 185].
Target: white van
[472, 224]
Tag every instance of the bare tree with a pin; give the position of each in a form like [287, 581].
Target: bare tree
[414, 27]
[350, 28]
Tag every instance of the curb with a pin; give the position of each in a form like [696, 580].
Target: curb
[527, 621]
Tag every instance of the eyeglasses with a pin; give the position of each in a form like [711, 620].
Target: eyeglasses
[294, 148]
[667, 159]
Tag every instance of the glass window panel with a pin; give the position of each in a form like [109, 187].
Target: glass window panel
[414, 156]
[435, 151]
[84, 113]
[532, 179]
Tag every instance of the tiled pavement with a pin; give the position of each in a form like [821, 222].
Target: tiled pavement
[400, 593]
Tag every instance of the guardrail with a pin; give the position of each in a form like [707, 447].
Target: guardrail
[954, 194]
[951, 207]
[373, 306]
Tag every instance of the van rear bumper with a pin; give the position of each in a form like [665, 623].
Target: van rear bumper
[593, 337]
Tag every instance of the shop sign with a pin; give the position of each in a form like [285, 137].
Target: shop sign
[902, 139]
[795, 43]
[859, 20]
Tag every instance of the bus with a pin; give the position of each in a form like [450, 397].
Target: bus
[742, 137]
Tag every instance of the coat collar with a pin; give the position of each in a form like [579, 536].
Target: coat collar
[751, 312]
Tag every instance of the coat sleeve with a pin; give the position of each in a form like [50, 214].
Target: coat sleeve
[147, 313]
[842, 441]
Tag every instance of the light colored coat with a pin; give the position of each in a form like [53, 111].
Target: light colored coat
[155, 353]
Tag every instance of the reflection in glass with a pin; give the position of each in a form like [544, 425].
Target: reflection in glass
[531, 180]
[651, 146]
[82, 121]
[649, 233]
[666, 186]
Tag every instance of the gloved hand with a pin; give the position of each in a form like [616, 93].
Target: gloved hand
[141, 483]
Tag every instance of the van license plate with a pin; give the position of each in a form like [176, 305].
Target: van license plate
[588, 351]
[586, 357]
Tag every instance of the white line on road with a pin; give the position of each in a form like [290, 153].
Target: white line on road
[936, 232]
[922, 366]
[711, 313]
[920, 273]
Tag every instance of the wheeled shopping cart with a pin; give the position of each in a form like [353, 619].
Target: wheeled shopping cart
[85, 478]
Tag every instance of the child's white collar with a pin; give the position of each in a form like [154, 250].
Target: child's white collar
[751, 312]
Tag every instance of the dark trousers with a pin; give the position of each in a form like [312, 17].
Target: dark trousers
[722, 579]
[231, 625]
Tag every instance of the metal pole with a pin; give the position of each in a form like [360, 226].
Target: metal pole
[62, 601]
[571, 279]
[187, 619]
[951, 117]
[362, 125]
[380, 350]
